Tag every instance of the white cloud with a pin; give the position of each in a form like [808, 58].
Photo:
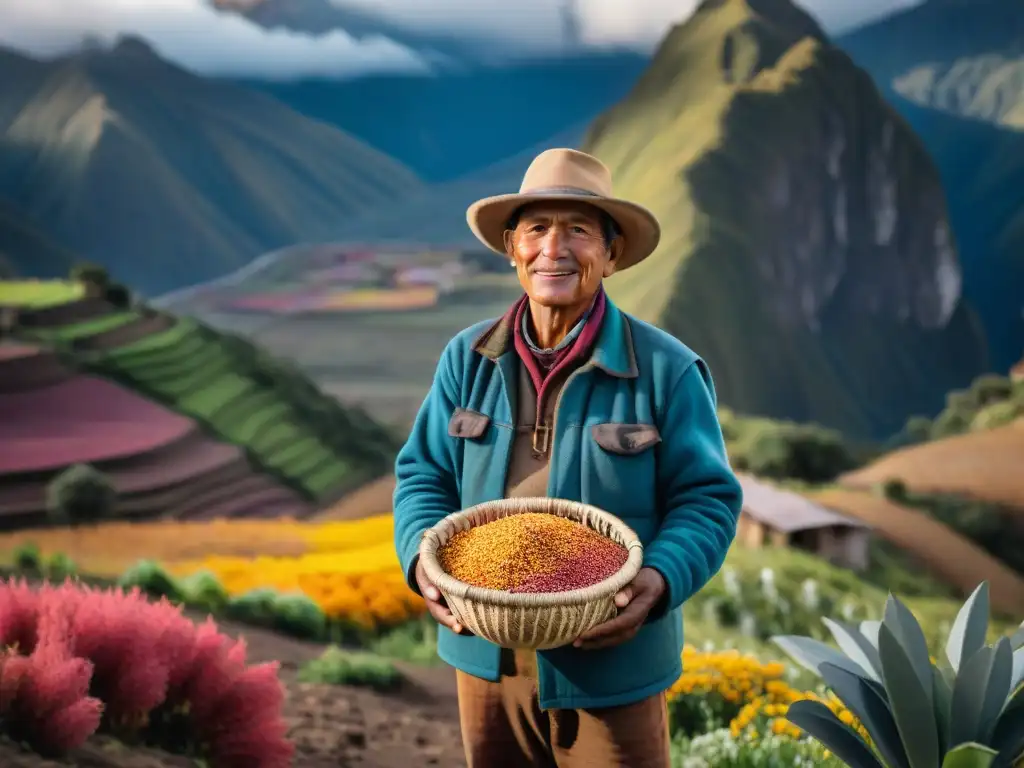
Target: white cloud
[192, 34]
[535, 24]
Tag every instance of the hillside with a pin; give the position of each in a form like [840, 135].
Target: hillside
[948, 555]
[22, 244]
[984, 465]
[465, 119]
[204, 175]
[805, 232]
[265, 414]
[955, 69]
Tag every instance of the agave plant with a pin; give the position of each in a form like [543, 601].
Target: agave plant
[964, 711]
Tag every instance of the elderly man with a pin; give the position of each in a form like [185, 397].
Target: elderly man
[568, 397]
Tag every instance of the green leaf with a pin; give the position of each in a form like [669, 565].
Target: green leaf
[867, 702]
[967, 635]
[907, 696]
[1017, 638]
[942, 692]
[870, 630]
[1017, 676]
[1008, 737]
[811, 654]
[856, 646]
[907, 631]
[969, 756]
[979, 694]
[819, 721]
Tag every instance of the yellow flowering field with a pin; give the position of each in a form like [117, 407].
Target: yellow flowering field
[349, 568]
[750, 695]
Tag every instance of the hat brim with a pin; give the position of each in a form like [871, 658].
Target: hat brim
[488, 218]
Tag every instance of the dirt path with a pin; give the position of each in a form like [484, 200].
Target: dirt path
[331, 726]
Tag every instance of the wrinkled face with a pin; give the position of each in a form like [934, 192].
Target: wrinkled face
[561, 253]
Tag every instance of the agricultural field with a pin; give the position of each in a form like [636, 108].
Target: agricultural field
[984, 465]
[37, 294]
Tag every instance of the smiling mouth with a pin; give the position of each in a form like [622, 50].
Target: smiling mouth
[554, 274]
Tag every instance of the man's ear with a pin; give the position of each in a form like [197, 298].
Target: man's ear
[509, 244]
[614, 252]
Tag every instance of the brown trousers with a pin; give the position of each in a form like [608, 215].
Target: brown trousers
[503, 726]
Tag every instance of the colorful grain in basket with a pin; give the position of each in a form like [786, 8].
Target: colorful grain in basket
[532, 552]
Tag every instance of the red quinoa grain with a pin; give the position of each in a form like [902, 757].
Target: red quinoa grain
[531, 552]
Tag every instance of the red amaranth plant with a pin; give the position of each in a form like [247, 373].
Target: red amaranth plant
[160, 677]
[133, 645]
[44, 698]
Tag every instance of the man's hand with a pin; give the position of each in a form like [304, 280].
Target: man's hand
[436, 604]
[635, 601]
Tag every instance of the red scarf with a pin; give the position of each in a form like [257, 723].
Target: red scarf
[542, 373]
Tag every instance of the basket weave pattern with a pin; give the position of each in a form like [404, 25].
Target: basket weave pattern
[530, 620]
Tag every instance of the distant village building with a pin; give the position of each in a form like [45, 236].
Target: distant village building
[773, 516]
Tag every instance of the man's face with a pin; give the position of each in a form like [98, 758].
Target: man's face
[560, 253]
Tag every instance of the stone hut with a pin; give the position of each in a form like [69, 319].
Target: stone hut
[773, 516]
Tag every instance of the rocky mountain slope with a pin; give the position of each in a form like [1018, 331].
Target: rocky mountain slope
[807, 252]
[955, 70]
[168, 178]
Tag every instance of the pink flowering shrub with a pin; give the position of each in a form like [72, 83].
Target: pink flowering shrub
[82, 659]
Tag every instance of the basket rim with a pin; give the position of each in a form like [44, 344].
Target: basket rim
[447, 584]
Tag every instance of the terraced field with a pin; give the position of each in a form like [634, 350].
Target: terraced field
[159, 461]
[187, 422]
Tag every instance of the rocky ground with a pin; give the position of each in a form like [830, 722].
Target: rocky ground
[331, 725]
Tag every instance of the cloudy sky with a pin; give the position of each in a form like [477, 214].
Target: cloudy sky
[195, 35]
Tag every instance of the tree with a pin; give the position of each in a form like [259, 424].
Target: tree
[95, 278]
[80, 495]
[806, 452]
[119, 296]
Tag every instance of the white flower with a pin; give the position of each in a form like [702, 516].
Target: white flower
[732, 582]
[809, 594]
[748, 625]
[768, 587]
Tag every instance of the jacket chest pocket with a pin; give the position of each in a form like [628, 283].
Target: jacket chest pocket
[623, 477]
[475, 444]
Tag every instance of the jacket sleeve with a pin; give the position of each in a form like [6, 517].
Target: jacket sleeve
[699, 494]
[426, 488]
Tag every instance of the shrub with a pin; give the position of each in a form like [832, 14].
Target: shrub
[160, 678]
[91, 275]
[783, 450]
[203, 590]
[967, 709]
[340, 667]
[152, 580]
[255, 607]
[894, 489]
[119, 296]
[28, 560]
[721, 749]
[296, 614]
[80, 495]
[60, 567]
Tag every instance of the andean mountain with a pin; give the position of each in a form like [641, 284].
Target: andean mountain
[806, 251]
[456, 123]
[955, 70]
[166, 177]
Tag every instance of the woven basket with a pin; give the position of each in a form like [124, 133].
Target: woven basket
[530, 620]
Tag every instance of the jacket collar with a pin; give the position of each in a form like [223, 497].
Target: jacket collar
[613, 350]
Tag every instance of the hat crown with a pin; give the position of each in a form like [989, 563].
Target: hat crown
[567, 168]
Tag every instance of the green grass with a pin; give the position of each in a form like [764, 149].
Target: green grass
[86, 328]
[37, 294]
[189, 369]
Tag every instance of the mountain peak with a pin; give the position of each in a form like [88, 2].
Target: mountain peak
[135, 47]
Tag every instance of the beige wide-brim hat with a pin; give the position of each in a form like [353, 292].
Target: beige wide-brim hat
[567, 174]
